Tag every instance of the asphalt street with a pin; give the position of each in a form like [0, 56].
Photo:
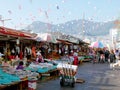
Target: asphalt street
[97, 77]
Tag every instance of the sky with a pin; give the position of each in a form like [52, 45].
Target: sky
[17, 14]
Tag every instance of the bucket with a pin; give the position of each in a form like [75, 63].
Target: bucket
[32, 84]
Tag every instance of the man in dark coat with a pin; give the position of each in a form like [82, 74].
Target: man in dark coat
[106, 55]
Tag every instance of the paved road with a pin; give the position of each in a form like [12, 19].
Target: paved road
[96, 76]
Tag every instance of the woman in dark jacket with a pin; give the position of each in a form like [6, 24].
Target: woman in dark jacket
[112, 56]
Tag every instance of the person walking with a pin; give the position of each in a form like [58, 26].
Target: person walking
[106, 55]
[102, 57]
[117, 54]
[112, 56]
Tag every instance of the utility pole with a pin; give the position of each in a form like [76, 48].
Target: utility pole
[3, 21]
[83, 26]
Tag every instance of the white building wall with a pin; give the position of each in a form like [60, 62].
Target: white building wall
[113, 34]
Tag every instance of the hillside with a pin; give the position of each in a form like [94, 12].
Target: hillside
[75, 27]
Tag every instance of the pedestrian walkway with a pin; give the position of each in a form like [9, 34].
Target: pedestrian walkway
[96, 76]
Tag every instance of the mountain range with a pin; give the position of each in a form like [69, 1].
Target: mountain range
[74, 27]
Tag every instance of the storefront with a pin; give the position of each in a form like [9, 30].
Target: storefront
[11, 39]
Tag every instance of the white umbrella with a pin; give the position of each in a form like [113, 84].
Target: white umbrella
[1, 54]
[46, 37]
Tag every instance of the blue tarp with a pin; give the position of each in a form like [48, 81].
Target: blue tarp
[6, 78]
[44, 70]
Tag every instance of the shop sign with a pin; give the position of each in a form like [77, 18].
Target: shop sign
[74, 40]
[69, 38]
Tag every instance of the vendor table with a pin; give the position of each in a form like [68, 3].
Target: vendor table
[12, 86]
[21, 85]
[51, 74]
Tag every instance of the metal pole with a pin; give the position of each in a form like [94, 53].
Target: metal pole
[3, 20]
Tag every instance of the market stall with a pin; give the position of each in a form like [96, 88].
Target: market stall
[13, 42]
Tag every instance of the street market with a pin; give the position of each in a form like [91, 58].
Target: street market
[59, 45]
[16, 52]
